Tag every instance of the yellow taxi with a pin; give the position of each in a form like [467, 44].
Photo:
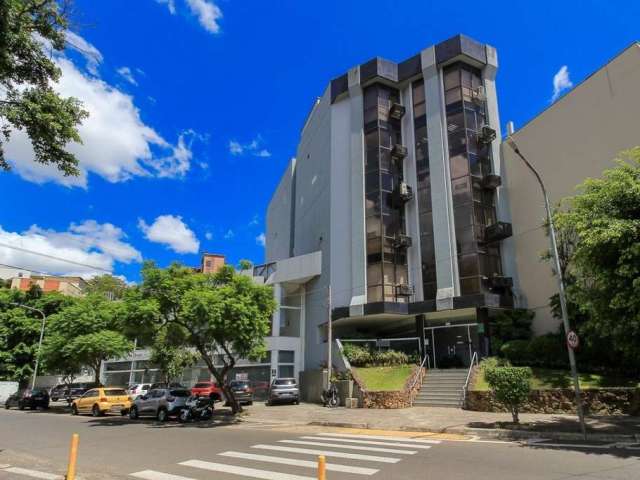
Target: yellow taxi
[99, 401]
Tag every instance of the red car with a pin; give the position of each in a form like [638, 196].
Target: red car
[207, 389]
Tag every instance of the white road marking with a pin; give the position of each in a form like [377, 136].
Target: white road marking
[351, 447]
[32, 473]
[329, 453]
[332, 467]
[153, 475]
[380, 437]
[369, 442]
[245, 472]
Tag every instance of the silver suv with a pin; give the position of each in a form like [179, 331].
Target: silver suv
[160, 403]
[283, 390]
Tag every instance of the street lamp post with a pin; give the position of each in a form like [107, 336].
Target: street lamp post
[561, 293]
[44, 318]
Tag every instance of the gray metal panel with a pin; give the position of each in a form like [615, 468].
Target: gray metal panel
[442, 207]
[409, 68]
[278, 221]
[339, 86]
[460, 45]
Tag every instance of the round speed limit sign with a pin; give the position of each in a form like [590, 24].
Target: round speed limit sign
[573, 340]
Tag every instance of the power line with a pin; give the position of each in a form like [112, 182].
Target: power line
[52, 257]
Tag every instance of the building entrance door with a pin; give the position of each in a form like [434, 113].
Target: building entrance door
[451, 346]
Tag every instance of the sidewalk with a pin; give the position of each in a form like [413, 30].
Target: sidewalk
[448, 420]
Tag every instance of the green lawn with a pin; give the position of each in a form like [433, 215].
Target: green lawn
[545, 379]
[383, 378]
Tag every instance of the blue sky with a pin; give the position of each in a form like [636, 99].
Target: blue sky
[197, 107]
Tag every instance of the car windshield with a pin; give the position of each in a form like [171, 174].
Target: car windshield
[237, 384]
[202, 385]
[180, 393]
[285, 382]
[112, 392]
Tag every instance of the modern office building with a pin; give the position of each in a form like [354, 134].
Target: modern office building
[397, 182]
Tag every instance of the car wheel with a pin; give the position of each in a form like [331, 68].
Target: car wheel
[297, 402]
[74, 410]
[20, 406]
[7, 406]
[95, 411]
[45, 406]
[268, 403]
[162, 415]
[54, 399]
[133, 413]
[250, 402]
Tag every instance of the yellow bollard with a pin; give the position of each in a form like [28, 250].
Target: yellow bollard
[322, 467]
[73, 457]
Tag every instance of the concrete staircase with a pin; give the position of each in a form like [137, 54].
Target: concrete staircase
[442, 388]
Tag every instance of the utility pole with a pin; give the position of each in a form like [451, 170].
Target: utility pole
[561, 292]
[329, 342]
[44, 319]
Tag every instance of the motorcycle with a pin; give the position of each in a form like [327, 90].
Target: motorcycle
[330, 396]
[197, 408]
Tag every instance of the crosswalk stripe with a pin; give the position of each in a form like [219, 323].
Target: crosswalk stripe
[350, 447]
[369, 442]
[244, 471]
[380, 437]
[332, 467]
[328, 453]
[32, 473]
[153, 475]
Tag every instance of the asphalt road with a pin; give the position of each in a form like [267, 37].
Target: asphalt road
[115, 447]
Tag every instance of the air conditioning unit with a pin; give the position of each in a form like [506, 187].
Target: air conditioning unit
[497, 232]
[396, 111]
[486, 135]
[491, 181]
[402, 241]
[402, 194]
[398, 152]
[404, 290]
[478, 94]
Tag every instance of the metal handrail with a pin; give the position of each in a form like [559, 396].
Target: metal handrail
[466, 382]
[415, 380]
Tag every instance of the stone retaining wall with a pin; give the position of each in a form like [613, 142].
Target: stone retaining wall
[391, 399]
[602, 401]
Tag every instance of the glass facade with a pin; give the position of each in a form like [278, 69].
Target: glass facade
[424, 191]
[470, 161]
[385, 220]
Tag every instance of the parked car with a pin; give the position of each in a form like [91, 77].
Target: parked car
[63, 390]
[166, 385]
[207, 389]
[283, 390]
[242, 390]
[59, 391]
[99, 401]
[138, 389]
[160, 403]
[28, 398]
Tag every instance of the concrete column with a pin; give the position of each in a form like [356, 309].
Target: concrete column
[358, 231]
[411, 212]
[444, 237]
[303, 327]
[275, 324]
[503, 211]
[420, 323]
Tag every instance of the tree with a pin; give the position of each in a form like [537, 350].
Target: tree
[171, 359]
[511, 386]
[20, 330]
[85, 334]
[605, 216]
[29, 31]
[224, 316]
[109, 286]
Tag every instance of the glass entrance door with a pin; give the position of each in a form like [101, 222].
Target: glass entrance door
[451, 346]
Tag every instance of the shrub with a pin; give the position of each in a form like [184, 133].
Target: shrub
[510, 325]
[493, 362]
[511, 386]
[357, 356]
[517, 352]
[548, 351]
[387, 358]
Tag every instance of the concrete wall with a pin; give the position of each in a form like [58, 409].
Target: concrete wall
[278, 219]
[574, 139]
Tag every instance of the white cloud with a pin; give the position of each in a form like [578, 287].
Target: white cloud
[561, 82]
[91, 246]
[208, 235]
[171, 231]
[91, 54]
[254, 220]
[127, 74]
[117, 144]
[208, 14]
[261, 240]
[171, 5]
[253, 147]
[229, 234]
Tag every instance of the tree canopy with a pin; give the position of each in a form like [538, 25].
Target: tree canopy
[30, 30]
[605, 259]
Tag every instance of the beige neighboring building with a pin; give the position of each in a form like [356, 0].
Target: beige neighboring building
[211, 262]
[575, 138]
[72, 286]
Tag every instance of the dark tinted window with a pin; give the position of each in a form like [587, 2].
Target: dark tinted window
[285, 381]
[202, 385]
[114, 392]
[239, 384]
[180, 393]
